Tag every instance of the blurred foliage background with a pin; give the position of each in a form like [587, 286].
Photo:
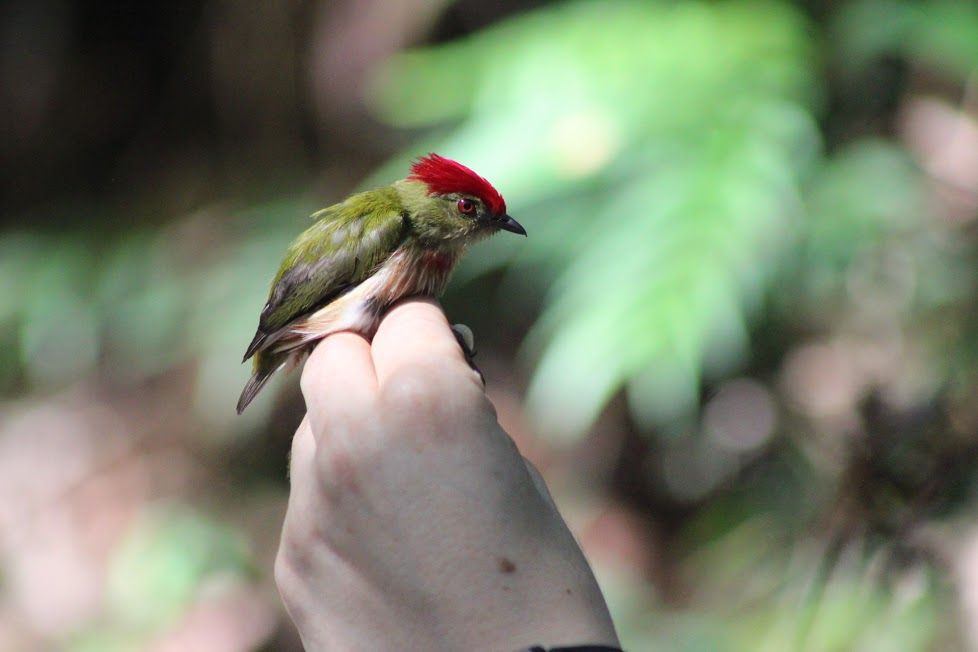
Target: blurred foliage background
[740, 341]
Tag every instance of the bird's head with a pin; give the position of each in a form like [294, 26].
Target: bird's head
[449, 202]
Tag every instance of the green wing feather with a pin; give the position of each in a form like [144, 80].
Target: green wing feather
[342, 249]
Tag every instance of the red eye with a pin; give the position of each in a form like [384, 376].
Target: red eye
[466, 205]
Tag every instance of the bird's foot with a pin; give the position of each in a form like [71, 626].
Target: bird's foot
[466, 340]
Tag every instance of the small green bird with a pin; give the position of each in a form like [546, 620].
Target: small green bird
[362, 255]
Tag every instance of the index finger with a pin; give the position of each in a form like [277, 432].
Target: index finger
[338, 379]
[415, 332]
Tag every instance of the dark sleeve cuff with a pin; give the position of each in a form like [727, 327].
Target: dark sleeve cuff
[573, 648]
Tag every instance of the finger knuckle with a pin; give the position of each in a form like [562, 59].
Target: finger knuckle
[412, 390]
[282, 570]
[292, 560]
[309, 379]
[339, 471]
[290, 584]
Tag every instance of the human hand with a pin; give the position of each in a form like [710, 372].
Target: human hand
[413, 521]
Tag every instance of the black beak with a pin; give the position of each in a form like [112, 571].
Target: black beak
[507, 223]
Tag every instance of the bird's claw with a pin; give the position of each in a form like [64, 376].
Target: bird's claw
[466, 340]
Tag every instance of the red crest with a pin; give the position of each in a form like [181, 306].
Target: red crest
[444, 176]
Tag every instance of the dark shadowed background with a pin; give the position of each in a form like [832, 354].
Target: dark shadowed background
[740, 340]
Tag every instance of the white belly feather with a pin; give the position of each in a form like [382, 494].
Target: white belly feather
[406, 273]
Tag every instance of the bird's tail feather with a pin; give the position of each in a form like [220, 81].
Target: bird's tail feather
[251, 389]
[265, 366]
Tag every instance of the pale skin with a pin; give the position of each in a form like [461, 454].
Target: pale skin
[413, 521]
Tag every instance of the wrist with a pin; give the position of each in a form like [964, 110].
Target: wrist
[457, 610]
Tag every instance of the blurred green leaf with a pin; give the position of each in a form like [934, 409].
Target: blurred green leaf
[58, 322]
[682, 130]
[170, 551]
[770, 604]
[942, 33]
[867, 194]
